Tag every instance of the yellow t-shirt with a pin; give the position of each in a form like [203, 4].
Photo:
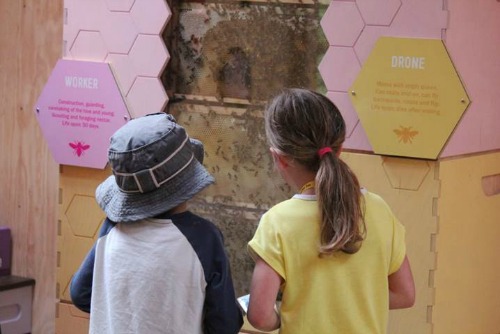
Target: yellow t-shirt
[342, 293]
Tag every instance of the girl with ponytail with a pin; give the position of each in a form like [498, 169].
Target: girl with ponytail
[334, 251]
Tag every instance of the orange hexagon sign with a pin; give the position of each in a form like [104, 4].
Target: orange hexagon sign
[409, 97]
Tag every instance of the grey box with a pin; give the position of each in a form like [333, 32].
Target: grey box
[16, 298]
[5, 251]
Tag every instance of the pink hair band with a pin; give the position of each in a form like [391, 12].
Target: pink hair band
[323, 151]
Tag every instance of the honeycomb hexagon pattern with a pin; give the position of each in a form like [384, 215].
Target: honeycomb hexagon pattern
[80, 224]
[339, 67]
[84, 216]
[119, 5]
[405, 174]
[347, 37]
[127, 35]
[89, 45]
[79, 221]
[380, 13]
[348, 23]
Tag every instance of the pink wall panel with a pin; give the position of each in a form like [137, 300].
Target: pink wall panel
[88, 45]
[149, 55]
[343, 102]
[380, 12]
[119, 5]
[77, 17]
[397, 18]
[355, 132]
[471, 33]
[119, 31]
[348, 23]
[473, 41]
[420, 19]
[340, 67]
[127, 35]
[147, 23]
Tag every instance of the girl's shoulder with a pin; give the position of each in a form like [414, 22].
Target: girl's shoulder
[372, 197]
[376, 204]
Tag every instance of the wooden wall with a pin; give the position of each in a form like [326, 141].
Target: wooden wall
[467, 298]
[30, 44]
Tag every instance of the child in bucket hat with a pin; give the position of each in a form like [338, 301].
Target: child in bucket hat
[156, 267]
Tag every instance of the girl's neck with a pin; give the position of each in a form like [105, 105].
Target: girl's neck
[307, 188]
[294, 174]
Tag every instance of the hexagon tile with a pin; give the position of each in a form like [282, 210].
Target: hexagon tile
[127, 35]
[352, 28]
[79, 108]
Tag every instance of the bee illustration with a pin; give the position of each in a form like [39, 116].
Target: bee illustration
[405, 134]
[79, 147]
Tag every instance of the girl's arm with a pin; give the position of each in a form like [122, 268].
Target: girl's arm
[401, 287]
[263, 291]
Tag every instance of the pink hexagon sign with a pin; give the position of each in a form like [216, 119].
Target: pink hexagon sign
[79, 109]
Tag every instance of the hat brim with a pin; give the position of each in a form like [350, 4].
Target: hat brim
[120, 206]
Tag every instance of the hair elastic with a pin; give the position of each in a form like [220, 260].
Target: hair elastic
[323, 151]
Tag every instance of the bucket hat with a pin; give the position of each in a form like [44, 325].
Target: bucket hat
[156, 166]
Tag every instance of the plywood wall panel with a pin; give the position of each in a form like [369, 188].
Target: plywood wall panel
[71, 320]
[80, 218]
[467, 275]
[30, 39]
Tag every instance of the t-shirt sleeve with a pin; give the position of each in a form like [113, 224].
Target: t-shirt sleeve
[398, 246]
[267, 244]
[222, 313]
[81, 282]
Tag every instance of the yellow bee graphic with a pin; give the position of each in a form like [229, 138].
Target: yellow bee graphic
[405, 134]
